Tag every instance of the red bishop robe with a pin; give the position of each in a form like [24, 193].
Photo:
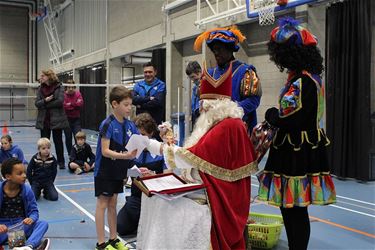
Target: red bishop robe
[225, 158]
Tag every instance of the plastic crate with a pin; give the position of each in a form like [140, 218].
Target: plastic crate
[265, 233]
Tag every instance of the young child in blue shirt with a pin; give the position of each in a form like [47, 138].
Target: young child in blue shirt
[17, 203]
[8, 150]
[111, 164]
[42, 171]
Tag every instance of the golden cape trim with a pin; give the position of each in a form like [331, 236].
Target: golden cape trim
[217, 171]
[170, 157]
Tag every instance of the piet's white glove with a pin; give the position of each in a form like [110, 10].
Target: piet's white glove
[154, 147]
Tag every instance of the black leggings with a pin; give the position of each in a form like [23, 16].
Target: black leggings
[297, 225]
[57, 141]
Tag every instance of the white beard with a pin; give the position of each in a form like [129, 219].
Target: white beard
[212, 112]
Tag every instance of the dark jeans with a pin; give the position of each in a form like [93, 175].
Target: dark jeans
[128, 216]
[49, 190]
[57, 141]
[74, 128]
[297, 225]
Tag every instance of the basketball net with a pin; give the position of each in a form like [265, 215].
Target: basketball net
[266, 12]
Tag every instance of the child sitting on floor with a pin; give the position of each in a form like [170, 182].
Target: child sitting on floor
[17, 204]
[82, 159]
[42, 171]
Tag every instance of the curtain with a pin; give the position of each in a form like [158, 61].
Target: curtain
[94, 109]
[348, 62]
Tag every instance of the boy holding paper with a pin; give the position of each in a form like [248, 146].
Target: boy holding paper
[111, 164]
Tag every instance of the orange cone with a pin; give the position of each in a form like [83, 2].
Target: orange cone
[5, 129]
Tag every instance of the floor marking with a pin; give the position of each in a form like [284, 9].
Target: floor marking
[79, 207]
[74, 184]
[344, 227]
[84, 211]
[347, 198]
[352, 210]
[354, 205]
[78, 190]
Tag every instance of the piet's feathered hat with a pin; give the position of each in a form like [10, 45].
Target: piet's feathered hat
[290, 31]
[229, 35]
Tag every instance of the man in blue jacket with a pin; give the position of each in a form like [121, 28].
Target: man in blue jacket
[149, 94]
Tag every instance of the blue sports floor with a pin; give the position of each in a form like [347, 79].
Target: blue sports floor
[348, 224]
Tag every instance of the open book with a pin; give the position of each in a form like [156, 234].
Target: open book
[165, 184]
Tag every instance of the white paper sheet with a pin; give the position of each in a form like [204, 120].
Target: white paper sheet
[139, 142]
[165, 183]
[134, 172]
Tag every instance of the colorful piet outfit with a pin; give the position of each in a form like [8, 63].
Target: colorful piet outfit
[246, 88]
[297, 171]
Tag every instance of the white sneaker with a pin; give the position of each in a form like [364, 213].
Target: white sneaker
[22, 248]
[78, 171]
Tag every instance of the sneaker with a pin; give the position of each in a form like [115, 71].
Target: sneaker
[78, 171]
[23, 248]
[61, 165]
[106, 246]
[44, 245]
[117, 244]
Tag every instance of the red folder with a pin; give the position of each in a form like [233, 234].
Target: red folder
[141, 183]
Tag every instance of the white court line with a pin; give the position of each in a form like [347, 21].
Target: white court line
[74, 184]
[359, 201]
[84, 211]
[79, 206]
[343, 208]
[354, 205]
[338, 196]
[351, 210]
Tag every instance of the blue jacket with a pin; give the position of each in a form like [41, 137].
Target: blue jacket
[40, 171]
[29, 202]
[141, 98]
[14, 151]
[195, 99]
[249, 103]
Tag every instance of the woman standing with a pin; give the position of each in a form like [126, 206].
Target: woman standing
[51, 116]
[297, 173]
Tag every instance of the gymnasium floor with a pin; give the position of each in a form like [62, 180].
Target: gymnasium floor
[348, 224]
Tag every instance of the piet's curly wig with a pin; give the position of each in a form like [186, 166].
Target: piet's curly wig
[296, 57]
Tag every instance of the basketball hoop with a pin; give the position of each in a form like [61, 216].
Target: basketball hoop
[266, 12]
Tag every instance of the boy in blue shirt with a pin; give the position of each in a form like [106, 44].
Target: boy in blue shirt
[111, 164]
[17, 203]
